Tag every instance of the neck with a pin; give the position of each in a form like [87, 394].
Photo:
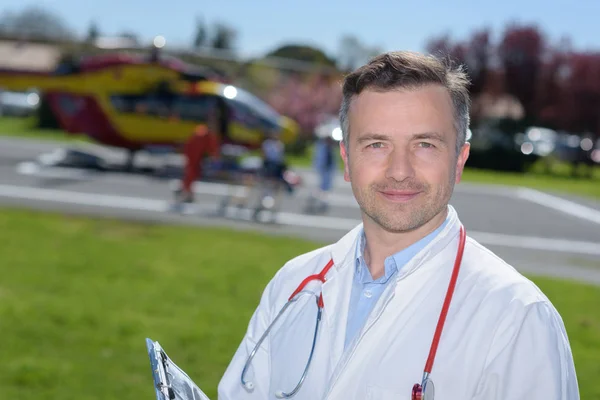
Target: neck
[382, 243]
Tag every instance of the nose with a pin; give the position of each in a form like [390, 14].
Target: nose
[399, 166]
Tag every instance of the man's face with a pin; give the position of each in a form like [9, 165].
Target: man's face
[401, 155]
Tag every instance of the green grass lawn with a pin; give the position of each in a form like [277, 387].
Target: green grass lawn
[561, 181]
[78, 297]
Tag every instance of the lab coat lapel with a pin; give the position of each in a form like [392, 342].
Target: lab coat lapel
[336, 296]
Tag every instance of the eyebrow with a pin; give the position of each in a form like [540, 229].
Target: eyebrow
[418, 136]
[372, 136]
[429, 135]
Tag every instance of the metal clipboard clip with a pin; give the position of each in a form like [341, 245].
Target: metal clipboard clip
[170, 381]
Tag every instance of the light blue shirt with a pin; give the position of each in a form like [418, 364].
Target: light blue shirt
[273, 150]
[366, 291]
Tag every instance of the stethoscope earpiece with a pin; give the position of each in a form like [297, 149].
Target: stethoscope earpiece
[249, 385]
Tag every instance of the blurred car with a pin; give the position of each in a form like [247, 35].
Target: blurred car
[493, 148]
[595, 152]
[560, 145]
[537, 140]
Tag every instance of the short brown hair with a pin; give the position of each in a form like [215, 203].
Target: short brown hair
[410, 70]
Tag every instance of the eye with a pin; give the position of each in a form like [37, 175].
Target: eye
[426, 145]
[376, 145]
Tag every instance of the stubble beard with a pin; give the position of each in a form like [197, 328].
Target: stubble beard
[404, 217]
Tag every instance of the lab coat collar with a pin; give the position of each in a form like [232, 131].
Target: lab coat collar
[345, 248]
[336, 290]
[441, 241]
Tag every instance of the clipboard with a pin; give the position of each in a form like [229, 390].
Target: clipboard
[170, 381]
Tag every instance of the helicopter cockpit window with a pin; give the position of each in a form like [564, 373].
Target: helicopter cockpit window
[66, 68]
[151, 104]
[250, 117]
[256, 105]
[193, 108]
[124, 104]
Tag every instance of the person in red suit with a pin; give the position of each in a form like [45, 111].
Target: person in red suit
[204, 141]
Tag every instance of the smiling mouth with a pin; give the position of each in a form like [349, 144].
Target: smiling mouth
[399, 196]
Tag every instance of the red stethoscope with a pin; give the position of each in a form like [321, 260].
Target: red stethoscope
[423, 391]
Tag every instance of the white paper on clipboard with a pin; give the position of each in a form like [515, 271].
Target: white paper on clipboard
[170, 381]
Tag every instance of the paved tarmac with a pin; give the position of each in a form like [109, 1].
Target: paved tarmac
[534, 231]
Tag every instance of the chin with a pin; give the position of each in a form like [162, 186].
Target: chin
[403, 217]
[396, 223]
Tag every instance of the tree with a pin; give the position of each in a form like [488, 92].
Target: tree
[444, 47]
[552, 110]
[303, 53]
[224, 37]
[521, 54]
[478, 59]
[93, 33]
[581, 94]
[35, 23]
[475, 54]
[201, 36]
[132, 36]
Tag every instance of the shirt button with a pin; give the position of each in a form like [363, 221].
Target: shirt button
[368, 294]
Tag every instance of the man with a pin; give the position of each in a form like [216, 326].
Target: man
[273, 168]
[404, 119]
[325, 165]
[273, 154]
[204, 140]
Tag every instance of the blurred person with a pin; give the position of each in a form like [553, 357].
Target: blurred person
[324, 164]
[203, 142]
[410, 305]
[272, 174]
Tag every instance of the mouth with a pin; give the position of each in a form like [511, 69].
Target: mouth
[399, 196]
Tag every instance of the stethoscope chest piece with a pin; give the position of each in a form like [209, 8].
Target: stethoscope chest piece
[425, 392]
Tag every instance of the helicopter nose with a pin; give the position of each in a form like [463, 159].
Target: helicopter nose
[289, 130]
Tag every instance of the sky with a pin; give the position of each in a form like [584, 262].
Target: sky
[263, 25]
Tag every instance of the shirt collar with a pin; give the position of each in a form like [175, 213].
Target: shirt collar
[394, 262]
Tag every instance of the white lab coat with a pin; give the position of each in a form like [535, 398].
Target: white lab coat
[502, 339]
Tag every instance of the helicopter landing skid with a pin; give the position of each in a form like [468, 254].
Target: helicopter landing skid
[98, 161]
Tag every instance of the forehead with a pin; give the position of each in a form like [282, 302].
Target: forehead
[424, 109]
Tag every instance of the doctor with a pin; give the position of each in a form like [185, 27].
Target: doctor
[409, 308]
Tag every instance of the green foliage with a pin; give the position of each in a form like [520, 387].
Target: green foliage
[304, 53]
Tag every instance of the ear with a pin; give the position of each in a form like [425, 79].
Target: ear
[344, 154]
[462, 159]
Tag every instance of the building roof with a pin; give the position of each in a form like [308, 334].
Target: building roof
[28, 56]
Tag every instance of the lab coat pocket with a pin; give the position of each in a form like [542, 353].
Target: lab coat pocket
[379, 393]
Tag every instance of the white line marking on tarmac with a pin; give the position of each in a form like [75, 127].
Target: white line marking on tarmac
[87, 199]
[537, 243]
[323, 222]
[559, 204]
[34, 169]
